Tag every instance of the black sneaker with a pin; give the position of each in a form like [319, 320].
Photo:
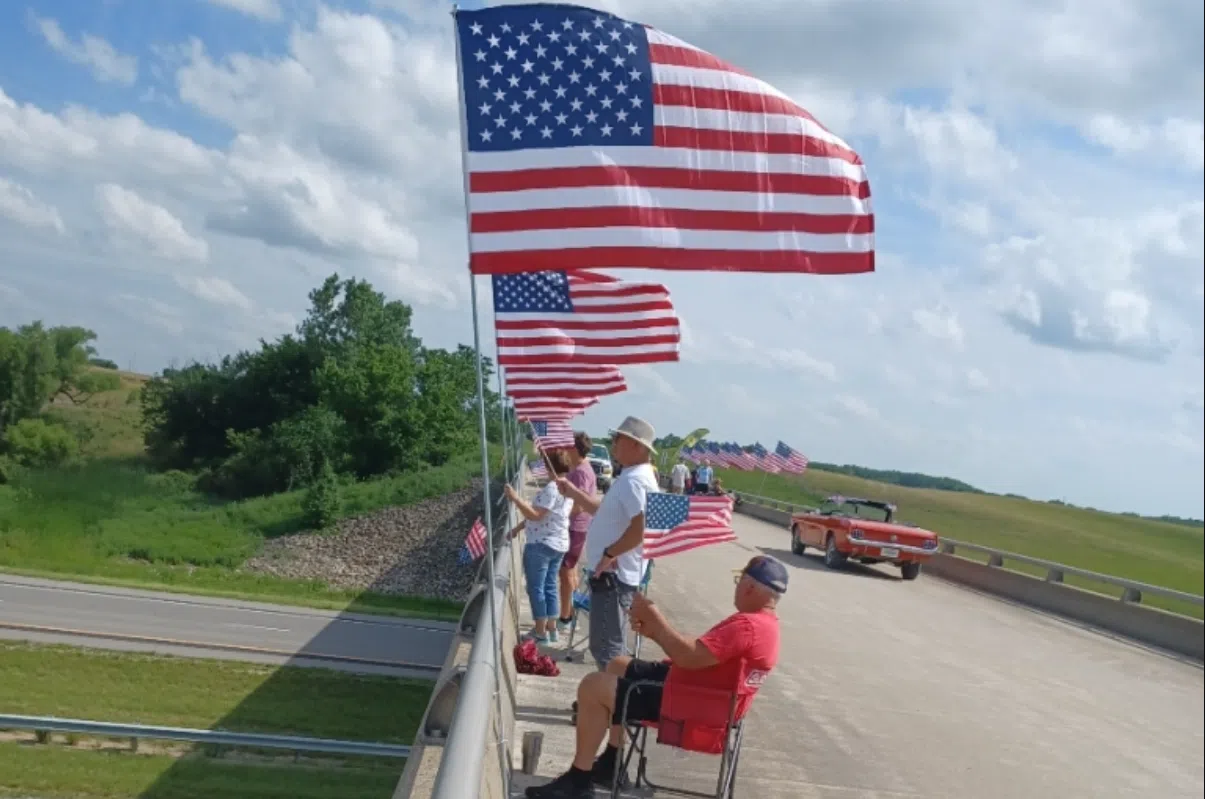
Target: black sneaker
[603, 772]
[566, 786]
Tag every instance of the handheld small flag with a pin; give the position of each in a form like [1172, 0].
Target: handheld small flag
[473, 548]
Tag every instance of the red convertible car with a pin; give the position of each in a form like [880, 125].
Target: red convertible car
[863, 529]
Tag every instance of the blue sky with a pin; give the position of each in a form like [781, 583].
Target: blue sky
[178, 175]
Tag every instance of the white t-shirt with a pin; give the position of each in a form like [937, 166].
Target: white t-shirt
[553, 530]
[678, 474]
[620, 505]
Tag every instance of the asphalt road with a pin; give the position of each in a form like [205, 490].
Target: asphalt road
[919, 690]
[118, 618]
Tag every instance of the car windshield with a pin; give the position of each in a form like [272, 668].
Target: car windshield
[870, 511]
[600, 451]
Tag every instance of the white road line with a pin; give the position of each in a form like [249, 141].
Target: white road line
[256, 627]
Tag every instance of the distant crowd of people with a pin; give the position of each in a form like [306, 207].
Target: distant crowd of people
[571, 528]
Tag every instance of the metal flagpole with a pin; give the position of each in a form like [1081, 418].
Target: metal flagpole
[485, 460]
[507, 452]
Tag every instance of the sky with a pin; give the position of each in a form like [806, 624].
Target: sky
[178, 176]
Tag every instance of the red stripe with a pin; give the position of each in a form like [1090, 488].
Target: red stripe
[590, 343]
[685, 57]
[675, 218]
[509, 359]
[778, 261]
[735, 141]
[528, 395]
[586, 291]
[540, 324]
[666, 178]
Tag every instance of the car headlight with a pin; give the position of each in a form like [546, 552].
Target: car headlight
[856, 534]
[930, 544]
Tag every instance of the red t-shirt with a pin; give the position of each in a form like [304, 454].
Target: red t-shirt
[746, 646]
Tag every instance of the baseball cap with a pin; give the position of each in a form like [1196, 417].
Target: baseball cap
[770, 572]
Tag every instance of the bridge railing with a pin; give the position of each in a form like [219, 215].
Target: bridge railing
[1175, 627]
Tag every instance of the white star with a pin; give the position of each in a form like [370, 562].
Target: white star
[543, 78]
[571, 49]
[575, 104]
[583, 35]
[606, 102]
[592, 117]
[574, 77]
[621, 115]
[621, 87]
[561, 119]
[493, 40]
[631, 48]
[546, 132]
[560, 92]
[483, 82]
[557, 64]
[479, 55]
[615, 36]
[635, 74]
[516, 134]
[602, 48]
[636, 129]
[513, 80]
[598, 22]
[537, 26]
[486, 135]
[541, 51]
[606, 130]
[554, 37]
[510, 53]
[485, 108]
[475, 28]
[546, 106]
[577, 130]
[591, 90]
[567, 24]
[500, 121]
[618, 61]
[506, 27]
[627, 26]
[529, 93]
[637, 102]
[588, 62]
[499, 95]
[527, 66]
[524, 38]
[605, 75]
[530, 119]
[515, 107]
[496, 68]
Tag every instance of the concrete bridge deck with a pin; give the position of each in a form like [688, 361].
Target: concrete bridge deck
[893, 689]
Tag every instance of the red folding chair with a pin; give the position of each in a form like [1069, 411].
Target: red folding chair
[701, 720]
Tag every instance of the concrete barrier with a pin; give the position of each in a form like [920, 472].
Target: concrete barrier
[1170, 631]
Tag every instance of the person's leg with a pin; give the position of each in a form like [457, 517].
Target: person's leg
[552, 602]
[568, 578]
[535, 565]
[609, 605]
[595, 706]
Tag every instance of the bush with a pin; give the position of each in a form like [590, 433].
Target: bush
[323, 502]
[34, 443]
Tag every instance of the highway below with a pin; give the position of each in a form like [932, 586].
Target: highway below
[49, 611]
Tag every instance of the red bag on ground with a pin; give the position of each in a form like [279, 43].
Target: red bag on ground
[528, 660]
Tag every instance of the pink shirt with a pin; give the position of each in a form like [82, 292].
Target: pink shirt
[582, 476]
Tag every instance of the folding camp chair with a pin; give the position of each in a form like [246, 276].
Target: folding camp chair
[700, 720]
[581, 603]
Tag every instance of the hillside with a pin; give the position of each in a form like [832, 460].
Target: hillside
[109, 424]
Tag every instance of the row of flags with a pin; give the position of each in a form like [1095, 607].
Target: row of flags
[734, 456]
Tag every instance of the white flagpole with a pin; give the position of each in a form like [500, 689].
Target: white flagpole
[485, 460]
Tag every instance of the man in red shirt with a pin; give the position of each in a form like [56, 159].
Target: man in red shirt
[737, 653]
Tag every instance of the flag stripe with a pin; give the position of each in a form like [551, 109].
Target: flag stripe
[680, 218]
[696, 199]
[513, 190]
[672, 259]
[691, 242]
[664, 353]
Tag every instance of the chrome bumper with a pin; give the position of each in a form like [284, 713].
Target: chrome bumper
[859, 548]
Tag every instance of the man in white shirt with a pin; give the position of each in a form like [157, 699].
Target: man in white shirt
[677, 478]
[614, 543]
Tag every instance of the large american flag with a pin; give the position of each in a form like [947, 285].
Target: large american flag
[765, 460]
[594, 141]
[551, 434]
[528, 408]
[564, 380]
[676, 523]
[788, 459]
[474, 544]
[583, 317]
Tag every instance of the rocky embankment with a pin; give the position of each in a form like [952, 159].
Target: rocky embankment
[405, 550]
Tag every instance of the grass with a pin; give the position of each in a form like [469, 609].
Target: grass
[73, 682]
[50, 771]
[1149, 551]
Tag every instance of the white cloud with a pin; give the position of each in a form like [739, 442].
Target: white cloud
[940, 323]
[216, 290]
[856, 406]
[21, 206]
[153, 226]
[99, 56]
[1182, 139]
[262, 9]
[976, 380]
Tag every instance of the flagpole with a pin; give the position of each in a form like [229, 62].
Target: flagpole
[481, 426]
[506, 449]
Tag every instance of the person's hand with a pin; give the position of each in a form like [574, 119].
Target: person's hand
[605, 564]
[510, 492]
[645, 617]
[567, 488]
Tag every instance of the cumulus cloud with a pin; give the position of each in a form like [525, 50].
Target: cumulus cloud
[262, 9]
[21, 206]
[161, 232]
[105, 63]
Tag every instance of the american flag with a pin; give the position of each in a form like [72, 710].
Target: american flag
[788, 459]
[564, 380]
[551, 434]
[583, 317]
[676, 523]
[538, 470]
[594, 141]
[765, 461]
[474, 544]
[551, 407]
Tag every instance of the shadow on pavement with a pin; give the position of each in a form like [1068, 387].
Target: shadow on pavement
[813, 560]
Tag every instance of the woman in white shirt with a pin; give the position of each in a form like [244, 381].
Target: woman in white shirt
[547, 522]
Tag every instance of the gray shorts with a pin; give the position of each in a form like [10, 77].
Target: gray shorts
[610, 601]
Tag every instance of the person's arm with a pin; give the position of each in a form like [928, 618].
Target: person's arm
[529, 513]
[631, 538]
[686, 653]
[518, 528]
[583, 501]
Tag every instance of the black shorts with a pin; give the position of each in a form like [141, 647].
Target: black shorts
[644, 702]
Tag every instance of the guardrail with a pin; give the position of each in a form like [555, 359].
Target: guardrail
[1125, 615]
[108, 729]
[1131, 590]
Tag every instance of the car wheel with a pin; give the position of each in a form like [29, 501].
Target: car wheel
[833, 557]
[910, 571]
[796, 544]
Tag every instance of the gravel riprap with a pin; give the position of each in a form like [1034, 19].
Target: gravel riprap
[410, 550]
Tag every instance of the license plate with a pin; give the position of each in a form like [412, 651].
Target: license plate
[889, 552]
